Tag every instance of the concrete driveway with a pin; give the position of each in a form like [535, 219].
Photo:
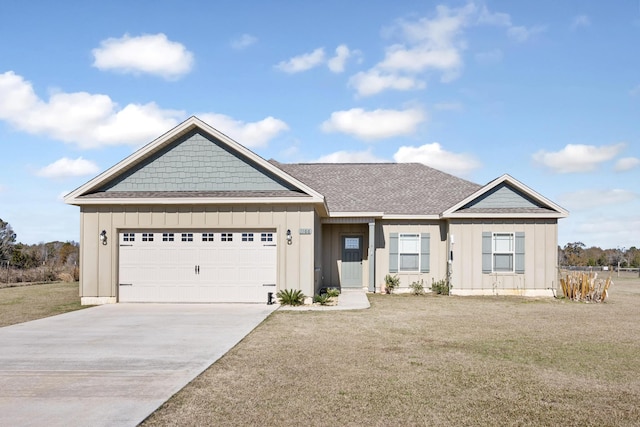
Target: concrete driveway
[112, 365]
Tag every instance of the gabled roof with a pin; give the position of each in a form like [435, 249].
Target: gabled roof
[104, 189]
[393, 189]
[523, 202]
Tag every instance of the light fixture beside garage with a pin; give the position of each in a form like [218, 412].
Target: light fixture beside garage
[289, 237]
[103, 237]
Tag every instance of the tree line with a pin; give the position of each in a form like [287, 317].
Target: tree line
[578, 254]
[41, 262]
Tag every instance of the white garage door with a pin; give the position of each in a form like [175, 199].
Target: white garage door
[197, 266]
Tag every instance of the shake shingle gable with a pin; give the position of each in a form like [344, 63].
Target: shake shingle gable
[391, 188]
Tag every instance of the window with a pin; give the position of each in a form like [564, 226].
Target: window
[409, 252]
[226, 237]
[167, 237]
[147, 237]
[503, 252]
[266, 237]
[247, 237]
[187, 237]
[207, 237]
[129, 237]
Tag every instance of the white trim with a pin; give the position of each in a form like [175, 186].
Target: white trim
[418, 252]
[399, 216]
[97, 300]
[451, 212]
[356, 214]
[514, 292]
[194, 201]
[512, 252]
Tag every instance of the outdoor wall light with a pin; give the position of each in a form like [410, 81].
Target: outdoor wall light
[103, 237]
[289, 237]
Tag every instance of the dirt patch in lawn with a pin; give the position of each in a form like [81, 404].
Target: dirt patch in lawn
[24, 303]
[429, 361]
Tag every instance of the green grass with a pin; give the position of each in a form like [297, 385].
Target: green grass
[429, 360]
[24, 303]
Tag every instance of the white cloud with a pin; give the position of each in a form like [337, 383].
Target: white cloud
[494, 18]
[577, 157]
[302, 62]
[88, 120]
[522, 34]
[610, 231]
[489, 57]
[337, 63]
[585, 199]
[435, 156]
[626, 163]
[65, 167]
[377, 124]
[373, 81]
[243, 42]
[252, 134]
[351, 157]
[580, 21]
[147, 54]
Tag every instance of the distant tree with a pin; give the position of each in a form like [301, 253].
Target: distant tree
[7, 240]
[574, 253]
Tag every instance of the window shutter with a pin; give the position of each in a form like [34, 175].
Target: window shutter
[486, 251]
[425, 252]
[519, 252]
[393, 252]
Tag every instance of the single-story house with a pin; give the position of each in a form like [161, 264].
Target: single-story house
[195, 216]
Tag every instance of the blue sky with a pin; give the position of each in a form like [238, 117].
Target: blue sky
[546, 91]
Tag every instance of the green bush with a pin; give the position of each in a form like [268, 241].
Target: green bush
[290, 297]
[417, 288]
[441, 287]
[322, 299]
[391, 282]
[333, 292]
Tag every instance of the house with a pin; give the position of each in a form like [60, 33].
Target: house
[196, 217]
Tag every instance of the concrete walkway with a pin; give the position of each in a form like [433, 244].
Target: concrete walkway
[113, 365]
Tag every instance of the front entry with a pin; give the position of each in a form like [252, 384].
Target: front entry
[351, 272]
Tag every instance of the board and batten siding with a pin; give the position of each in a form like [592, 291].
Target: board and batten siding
[540, 258]
[99, 263]
[437, 252]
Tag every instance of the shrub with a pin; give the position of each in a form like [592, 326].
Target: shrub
[391, 282]
[417, 288]
[441, 287]
[333, 292]
[322, 299]
[291, 297]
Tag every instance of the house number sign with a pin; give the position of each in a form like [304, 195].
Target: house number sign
[305, 231]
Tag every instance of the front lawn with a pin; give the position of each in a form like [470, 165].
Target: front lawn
[408, 360]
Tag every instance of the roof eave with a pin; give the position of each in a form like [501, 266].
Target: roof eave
[198, 201]
[505, 215]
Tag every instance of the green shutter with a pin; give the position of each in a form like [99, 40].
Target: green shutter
[393, 252]
[486, 251]
[425, 252]
[520, 252]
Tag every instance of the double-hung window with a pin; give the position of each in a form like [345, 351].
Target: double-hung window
[503, 252]
[409, 252]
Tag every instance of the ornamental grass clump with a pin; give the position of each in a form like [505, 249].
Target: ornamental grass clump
[291, 297]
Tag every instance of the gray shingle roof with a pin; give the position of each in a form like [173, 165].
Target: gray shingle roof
[392, 188]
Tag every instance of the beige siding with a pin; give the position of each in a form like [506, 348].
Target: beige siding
[99, 263]
[437, 267]
[540, 257]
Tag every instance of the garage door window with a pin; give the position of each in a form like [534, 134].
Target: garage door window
[147, 237]
[129, 237]
[187, 237]
[226, 237]
[266, 237]
[247, 237]
[167, 237]
[207, 237]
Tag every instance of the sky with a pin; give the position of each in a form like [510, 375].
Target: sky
[545, 91]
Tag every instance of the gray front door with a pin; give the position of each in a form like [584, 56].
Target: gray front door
[351, 276]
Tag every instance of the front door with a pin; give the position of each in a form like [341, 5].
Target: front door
[351, 276]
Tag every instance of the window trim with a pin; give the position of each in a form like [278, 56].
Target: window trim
[417, 237]
[495, 252]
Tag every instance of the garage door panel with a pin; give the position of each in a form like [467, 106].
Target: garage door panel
[207, 266]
